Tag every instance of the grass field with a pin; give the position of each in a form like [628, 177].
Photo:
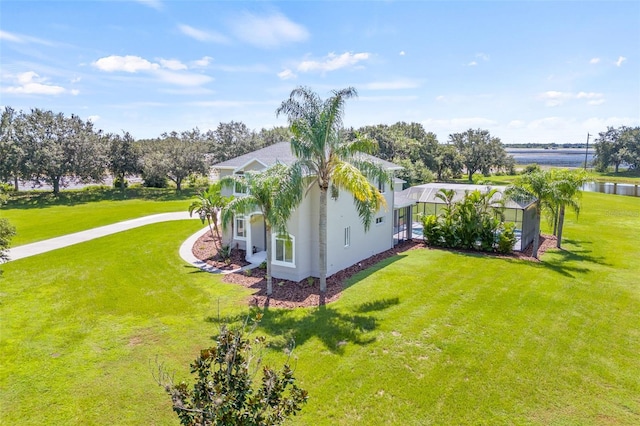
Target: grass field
[427, 337]
[39, 215]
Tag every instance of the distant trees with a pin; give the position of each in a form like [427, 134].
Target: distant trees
[616, 146]
[58, 149]
[12, 166]
[123, 158]
[7, 231]
[480, 152]
[174, 156]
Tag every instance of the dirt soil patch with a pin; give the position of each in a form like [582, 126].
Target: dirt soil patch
[289, 294]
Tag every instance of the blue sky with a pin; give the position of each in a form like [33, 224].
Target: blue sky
[526, 71]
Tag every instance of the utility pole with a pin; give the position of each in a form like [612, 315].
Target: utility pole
[586, 153]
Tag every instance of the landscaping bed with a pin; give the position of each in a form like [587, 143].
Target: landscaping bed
[289, 294]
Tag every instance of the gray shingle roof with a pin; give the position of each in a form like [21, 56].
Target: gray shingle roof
[281, 152]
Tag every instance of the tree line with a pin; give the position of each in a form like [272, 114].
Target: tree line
[617, 146]
[43, 147]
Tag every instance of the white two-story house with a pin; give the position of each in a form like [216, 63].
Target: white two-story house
[296, 258]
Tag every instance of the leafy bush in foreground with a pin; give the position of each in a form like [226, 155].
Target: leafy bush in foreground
[223, 393]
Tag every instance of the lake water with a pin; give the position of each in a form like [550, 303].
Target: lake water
[561, 157]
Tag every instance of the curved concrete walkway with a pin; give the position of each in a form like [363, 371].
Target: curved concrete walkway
[39, 247]
[186, 254]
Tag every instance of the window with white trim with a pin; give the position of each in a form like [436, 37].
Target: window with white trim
[237, 190]
[284, 250]
[379, 220]
[381, 186]
[240, 228]
[347, 236]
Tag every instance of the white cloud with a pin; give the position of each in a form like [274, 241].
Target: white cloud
[172, 64]
[482, 56]
[202, 63]
[127, 63]
[75, 92]
[268, 31]
[4, 35]
[516, 124]
[392, 85]
[183, 79]
[167, 70]
[333, 62]
[589, 95]
[594, 61]
[30, 83]
[24, 39]
[402, 53]
[553, 98]
[154, 4]
[201, 35]
[440, 98]
[472, 64]
[286, 74]
[620, 60]
[93, 118]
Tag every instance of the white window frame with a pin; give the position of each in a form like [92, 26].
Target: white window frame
[235, 186]
[237, 218]
[275, 237]
[380, 220]
[347, 236]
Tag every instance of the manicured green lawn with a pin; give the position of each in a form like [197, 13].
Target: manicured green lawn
[428, 337]
[38, 215]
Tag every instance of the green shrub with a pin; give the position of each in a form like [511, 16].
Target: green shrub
[506, 238]
[531, 168]
[118, 180]
[155, 181]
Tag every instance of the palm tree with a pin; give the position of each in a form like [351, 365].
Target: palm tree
[565, 186]
[275, 192]
[533, 185]
[209, 205]
[332, 162]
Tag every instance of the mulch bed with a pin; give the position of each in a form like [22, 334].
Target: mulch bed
[205, 250]
[289, 294]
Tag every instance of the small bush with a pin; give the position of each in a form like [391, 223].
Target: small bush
[118, 181]
[155, 181]
[531, 168]
[506, 238]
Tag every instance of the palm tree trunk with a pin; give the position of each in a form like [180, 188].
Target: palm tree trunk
[560, 225]
[322, 229]
[269, 248]
[536, 237]
[555, 223]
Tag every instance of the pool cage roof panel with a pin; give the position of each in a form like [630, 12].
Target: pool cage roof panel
[427, 193]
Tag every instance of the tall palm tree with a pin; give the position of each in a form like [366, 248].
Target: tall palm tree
[208, 205]
[533, 185]
[333, 162]
[275, 192]
[565, 191]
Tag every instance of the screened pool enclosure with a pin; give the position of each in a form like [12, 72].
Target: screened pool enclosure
[422, 199]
